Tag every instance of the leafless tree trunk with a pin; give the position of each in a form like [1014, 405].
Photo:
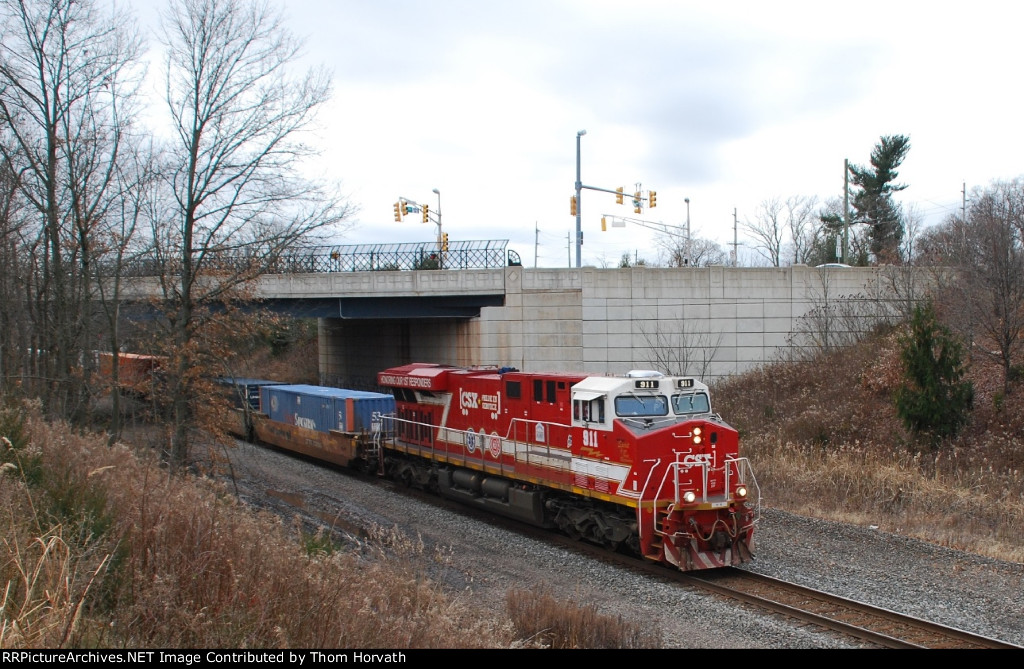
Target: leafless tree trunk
[61, 67]
[239, 121]
[678, 348]
[134, 181]
[804, 226]
[991, 278]
[13, 315]
[768, 229]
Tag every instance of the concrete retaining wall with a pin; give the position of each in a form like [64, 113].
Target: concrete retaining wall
[710, 322]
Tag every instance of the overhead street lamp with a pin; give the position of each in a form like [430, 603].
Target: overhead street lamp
[579, 208]
[438, 193]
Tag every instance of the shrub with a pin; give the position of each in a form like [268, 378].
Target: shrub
[933, 400]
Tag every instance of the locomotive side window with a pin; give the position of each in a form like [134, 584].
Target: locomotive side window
[513, 390]
[588, 411]
[641, 405]
[539, 388]
[692, 403]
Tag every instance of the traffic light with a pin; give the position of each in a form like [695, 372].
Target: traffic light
[618, 196]
[398, 212]
[604, 224]
[572, 205]
[652, 198]
[444, 241]
[637, 203]
[405, 208]
[426, 213]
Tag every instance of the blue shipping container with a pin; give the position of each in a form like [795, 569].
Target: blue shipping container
[324, 409]
[247, 388]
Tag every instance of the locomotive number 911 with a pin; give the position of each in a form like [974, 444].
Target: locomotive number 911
[637, 463]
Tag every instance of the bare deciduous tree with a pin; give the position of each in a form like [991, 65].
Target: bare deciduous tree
[679, 251]
[678, 348]
[239, 119]
[66, 74]
[804, 226]
[775, 219]
[986, 290]
[768, 230]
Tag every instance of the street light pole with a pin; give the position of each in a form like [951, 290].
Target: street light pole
[438, 217]
[579, 207]
[687, 201]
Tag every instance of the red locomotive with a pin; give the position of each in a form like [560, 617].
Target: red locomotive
[636, 463]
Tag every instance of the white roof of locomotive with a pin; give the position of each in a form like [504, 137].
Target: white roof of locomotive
[602, 385]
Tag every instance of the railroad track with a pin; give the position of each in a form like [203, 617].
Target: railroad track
[874, 625]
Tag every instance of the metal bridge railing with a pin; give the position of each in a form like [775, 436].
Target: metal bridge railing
[480, 254]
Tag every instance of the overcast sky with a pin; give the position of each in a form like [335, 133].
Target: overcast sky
[727, 104]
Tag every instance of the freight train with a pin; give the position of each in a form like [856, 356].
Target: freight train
[638, 463]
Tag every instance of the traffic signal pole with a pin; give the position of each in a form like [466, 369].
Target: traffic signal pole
[576, 205]
[579, 209]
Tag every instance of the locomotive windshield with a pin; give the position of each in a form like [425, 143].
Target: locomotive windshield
[691, 403]
[641, 405]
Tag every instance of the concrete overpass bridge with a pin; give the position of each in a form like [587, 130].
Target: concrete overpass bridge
[707, 321]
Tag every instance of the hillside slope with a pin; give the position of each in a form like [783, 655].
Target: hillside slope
[825, 440]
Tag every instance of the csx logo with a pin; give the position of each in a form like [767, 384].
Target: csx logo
[697, 459]
[469, 400]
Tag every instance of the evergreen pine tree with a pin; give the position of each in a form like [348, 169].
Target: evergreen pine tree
[873, 204]
[933, 400]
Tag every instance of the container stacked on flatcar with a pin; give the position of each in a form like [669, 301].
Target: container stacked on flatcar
[636, 462]
[330, 424]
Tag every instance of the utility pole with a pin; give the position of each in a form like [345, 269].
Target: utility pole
[846, 207]
[536, 242]
[735, 239]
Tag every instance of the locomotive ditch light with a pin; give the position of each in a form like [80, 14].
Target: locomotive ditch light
[689, 497]
[741, 491]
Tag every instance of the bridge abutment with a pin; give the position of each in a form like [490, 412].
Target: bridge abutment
[709, 322]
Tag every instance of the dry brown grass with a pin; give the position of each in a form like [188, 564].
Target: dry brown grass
[825, 441]
[546, 622]
[103, 549]
[135, 558]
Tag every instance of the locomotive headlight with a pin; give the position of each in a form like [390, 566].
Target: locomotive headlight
[689, 497]
[696, 435]
[741, 491]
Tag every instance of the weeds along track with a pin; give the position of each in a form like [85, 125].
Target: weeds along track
[322, 503]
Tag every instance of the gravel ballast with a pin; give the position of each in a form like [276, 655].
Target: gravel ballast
[484, 562]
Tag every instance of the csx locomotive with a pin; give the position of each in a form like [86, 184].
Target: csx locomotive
[638, 463]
